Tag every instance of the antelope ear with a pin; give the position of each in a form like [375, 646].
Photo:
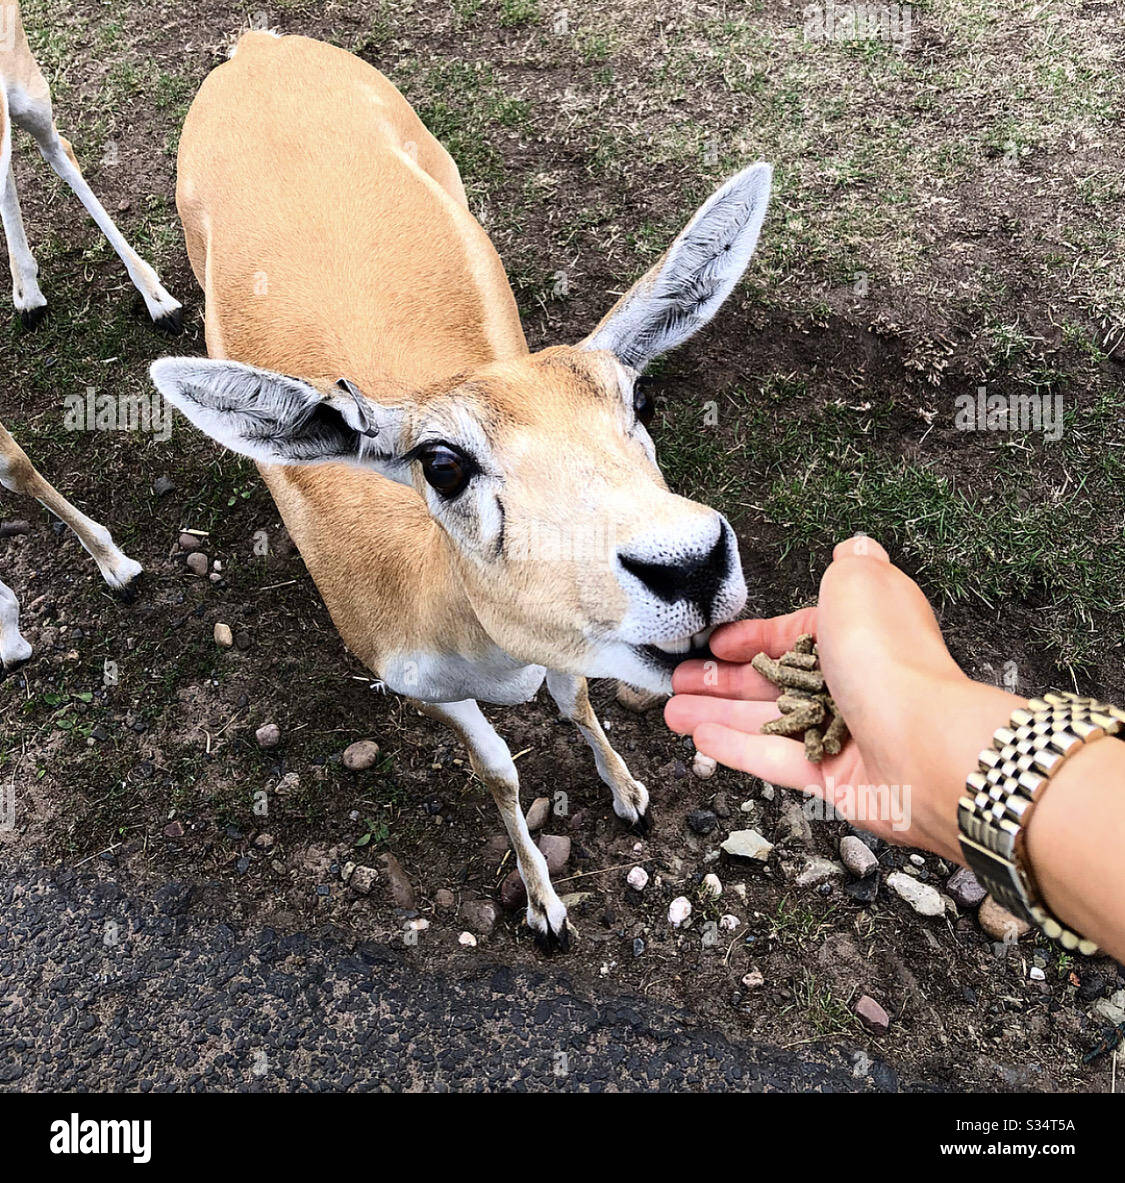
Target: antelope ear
[275, 419]
[693, 277]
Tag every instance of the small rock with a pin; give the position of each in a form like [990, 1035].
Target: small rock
[748, 844]
[223, 636]
[190, 543]
[363, 879]
[480, 916]
[538, 813]
[702, 821]
[444, 898]
[679, 910]
[794, 825]
[863, 891]
[753, 980]
[360, 756]
[964, 888]
[1036, 974]
[704, 766]
[402, 891]
[1112, 1009]
[268, 735]
[729, 922]
[917, 860]
[999, 923]
[419, 924]
[637, 878]
[468, 940]
[872, 1015]
[173, 830]
[712, 885]
[768, 792]
[347, 870]
[512, 891]
[923, 898]
[819, 870]
[556, 850]
[857, 856]
[264, 841]
[198, 564]
[289, 783]
[163, 485]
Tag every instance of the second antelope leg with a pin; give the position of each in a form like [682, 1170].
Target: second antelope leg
[492, 762]
[630, 797]
[26, 294]
[18, 474]
[165, 311]
[14, 650]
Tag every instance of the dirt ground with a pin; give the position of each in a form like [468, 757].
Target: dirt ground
[948, 216]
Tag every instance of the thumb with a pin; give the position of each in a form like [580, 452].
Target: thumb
[871, 617]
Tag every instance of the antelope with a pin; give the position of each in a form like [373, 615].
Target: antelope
[25, 100]
[366, 351]
[118, 570]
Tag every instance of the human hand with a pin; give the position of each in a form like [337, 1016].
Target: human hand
[917, 721]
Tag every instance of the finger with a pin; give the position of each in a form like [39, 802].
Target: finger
[860, 547]
[685, 712]
[747, 638]
[722, 679]
[775, 759]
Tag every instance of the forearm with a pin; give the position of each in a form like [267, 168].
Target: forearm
[1076, 844]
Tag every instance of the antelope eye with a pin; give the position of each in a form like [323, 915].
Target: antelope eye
[445, 470]
[644, 405]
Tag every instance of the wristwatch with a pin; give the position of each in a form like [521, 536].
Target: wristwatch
[1001, 795]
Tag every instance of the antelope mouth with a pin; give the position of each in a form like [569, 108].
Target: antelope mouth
[667, 655]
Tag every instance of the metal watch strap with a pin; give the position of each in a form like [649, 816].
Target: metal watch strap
[1001, 794]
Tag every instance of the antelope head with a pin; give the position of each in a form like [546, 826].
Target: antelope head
[537, 468]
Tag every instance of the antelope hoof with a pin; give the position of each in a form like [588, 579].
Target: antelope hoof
[127, 593]
[31, 318]
[171, 323]
[631, 803]
[642, 827]
[16, 662]
[549, 924]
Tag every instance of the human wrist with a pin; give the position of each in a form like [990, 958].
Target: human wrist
[968, 714]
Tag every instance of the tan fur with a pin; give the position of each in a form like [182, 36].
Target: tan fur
[331, 236]
[384, 276]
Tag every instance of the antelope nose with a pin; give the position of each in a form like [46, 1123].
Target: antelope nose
[693, 577]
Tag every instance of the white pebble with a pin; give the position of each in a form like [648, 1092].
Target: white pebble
[712, 885]
[420, 925]
[729, 922]
[637, 878]
[917, 860]
[753, 979]
[704, 766]
[1036, 974]
[468, 940]
[679, 910]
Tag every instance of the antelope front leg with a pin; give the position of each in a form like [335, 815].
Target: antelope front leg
[14, 650]
[29, 300]
[492, 762]
[630, 797]
[18, 474]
